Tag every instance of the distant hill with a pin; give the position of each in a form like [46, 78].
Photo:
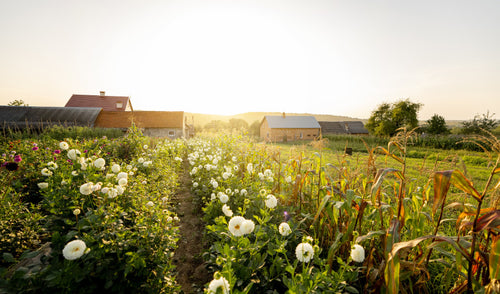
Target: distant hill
[201, 119]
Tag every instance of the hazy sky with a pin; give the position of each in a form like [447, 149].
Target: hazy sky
[234, 56]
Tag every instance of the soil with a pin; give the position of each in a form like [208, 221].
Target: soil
[192, 274]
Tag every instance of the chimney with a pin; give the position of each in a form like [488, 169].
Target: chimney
[102, 93]
[284, 115]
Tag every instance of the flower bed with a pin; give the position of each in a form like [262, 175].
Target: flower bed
[90, 215]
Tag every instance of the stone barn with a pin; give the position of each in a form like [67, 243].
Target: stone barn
[283, 128]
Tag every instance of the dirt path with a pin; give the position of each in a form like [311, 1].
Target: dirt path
[191, 272]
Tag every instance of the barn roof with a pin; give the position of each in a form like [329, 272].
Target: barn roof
[291, 122]
[342, 127]
[23, 116]
[107, 103]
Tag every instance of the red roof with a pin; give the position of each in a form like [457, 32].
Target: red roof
[107, 103]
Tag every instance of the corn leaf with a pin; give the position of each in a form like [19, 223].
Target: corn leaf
[497, 170]
[321, 207]
[487, 221]
[441, 187]
[494, 262]
[460, 181]
[386, 152]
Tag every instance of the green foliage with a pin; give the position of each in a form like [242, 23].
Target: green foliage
[436, 125]
[388, 118]
[479, 124]
[17, 102]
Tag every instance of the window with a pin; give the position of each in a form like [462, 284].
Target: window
[171, 133]
[119, 104]
[301, 135]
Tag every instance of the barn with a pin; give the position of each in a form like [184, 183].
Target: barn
[283, 128]
[343, 128]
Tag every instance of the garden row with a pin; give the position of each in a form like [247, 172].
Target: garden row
[83, 216]
[302, 225]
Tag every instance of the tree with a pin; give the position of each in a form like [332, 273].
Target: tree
[436, 125]
[479, 124]
[17, 102]
[387, 118]
[238, 123]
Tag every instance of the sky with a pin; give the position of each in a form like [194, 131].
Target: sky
[235, 56]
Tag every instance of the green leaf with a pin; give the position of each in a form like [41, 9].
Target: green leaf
[324, 201]
[370, 235]
[8, 257]
[494, 262]
[461, 182]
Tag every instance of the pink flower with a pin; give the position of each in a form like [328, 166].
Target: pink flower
[34, 148]
[57, 151]
[18, 158]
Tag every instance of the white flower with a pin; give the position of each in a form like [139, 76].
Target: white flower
[76, 211]
[195, 184]
[122, 182]
[150, 204]
[247, 226]
[288, 179]
[112, 193]
[304, 252]
[129, 167]
[99, 163]
[147, 163]
[226, 175]
[52, 165]
[284, 229]
[234, 159]
[212, 196]
[268, 173]
[243, 192]
[122, 175]
[105, 190]
[83, 166]
[43, 185]
[227, 210]
[74, 173]
[46, 172]
[115, 168]
[220, 283]
[73, 154]
[74, 249]
[63, 182]
[214, 183]
[97, 186]
[145, 146]
[358, 253]
[235, 225]
[140, 160]
[63, 145]
[271, 201]
[250, 168]
[86, 189]
[119, 189]
[223, 197]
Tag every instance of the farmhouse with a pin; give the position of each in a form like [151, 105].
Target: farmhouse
[343, 127]
[169, 124]
[288, 128]
[107, 103]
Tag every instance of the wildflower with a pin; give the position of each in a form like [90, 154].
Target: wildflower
[63, 145]
[73, 154]
[271, 201]
[243, 192]
[226, 175]
[34, 148]
[227, 210]
[122, 182]
[304, 252]
[115, 168]
[112, 192]
[63, 182]
[216, 284]
[86, 189]
[122, 175]
[129, 167]
[18, 158]
[57, 151]
[74, 173]
[76, 211]
[74, 249]
[119, 189]
[140, 160]
[235, 226]
[43, 185]
[150, 204]
[357, 253]
[223, 197]
[97, 187]
[99, 163]
[214, 183]
[234, 159]
[247, 226]
[195, 184]
[250, 168]
[284, 229]
[262, 192]
[46, 172]
[52, 165]
[288, 179]
[212, 196]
